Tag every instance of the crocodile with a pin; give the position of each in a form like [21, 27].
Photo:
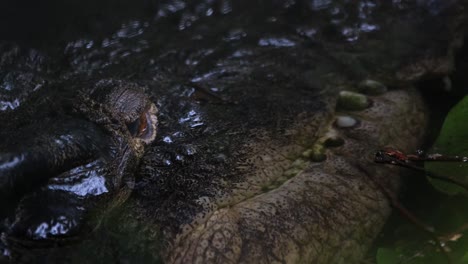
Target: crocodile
[217, 131]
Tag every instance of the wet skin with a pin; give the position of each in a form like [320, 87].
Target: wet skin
[259, 155]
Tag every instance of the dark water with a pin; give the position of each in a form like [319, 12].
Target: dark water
[192, 49]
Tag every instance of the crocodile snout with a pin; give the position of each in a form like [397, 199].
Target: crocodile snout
[296, 209]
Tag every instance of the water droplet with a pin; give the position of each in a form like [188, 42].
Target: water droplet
[319, 4]
[276, 42]
[226, 7]
[365, 27]
[5, 105]
[420, 153]
[195, 125]
[167, 139]
[167, 162]
[351, 34]
[307, 32]
[187, 21]
[235, 34]
[209, 12]
[190, 150]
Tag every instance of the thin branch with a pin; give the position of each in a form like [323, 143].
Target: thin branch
[395, 157]
[395, 203]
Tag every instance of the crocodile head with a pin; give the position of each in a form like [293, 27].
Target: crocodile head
[267, 128]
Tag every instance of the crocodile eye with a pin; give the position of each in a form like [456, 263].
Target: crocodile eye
[139, 127]
[145, 126]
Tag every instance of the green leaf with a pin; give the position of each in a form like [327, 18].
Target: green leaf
[465, 258]
[387, 256]
[452, 141]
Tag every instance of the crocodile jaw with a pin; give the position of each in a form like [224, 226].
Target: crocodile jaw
[316, 212]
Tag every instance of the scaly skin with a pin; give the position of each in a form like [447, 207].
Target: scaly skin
[318, 212]
[246, 103]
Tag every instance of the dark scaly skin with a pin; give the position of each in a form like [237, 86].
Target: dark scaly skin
[230, 177]
[60, 161]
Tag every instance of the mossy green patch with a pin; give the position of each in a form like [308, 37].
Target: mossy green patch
[352, 101]
[316, 153]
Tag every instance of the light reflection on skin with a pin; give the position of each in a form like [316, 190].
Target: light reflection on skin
[13, 162]
[276, 42]
[365, 27]
[92, 185]
[82, 181]
[319, 4]
[193, 118]
[62, 214]
[58, 226]
[5, 105]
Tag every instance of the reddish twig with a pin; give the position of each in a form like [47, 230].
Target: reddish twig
[398, 158]
[393, 155]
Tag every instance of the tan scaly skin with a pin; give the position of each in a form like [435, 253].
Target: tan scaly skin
[315, 212]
